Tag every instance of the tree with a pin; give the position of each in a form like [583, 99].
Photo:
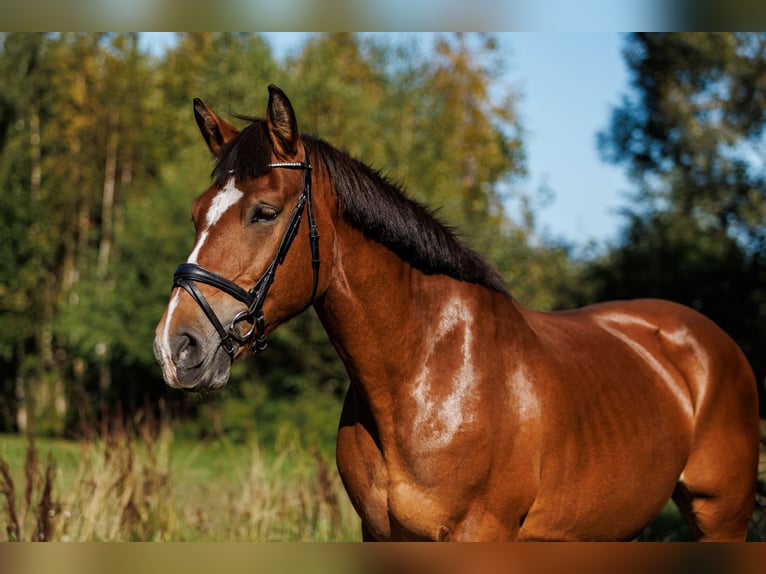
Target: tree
[28, 255]
[80, 120]
[691, 134]
[101, 162]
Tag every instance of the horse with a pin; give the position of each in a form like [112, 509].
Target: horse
[467, 416]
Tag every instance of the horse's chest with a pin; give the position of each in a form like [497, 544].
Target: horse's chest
[398, 499]
[392, 505]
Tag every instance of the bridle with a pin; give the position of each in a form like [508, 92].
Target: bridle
[188, 274]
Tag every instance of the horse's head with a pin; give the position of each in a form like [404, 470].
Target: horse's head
[245, 225]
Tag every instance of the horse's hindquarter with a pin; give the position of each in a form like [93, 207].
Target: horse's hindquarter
[625, 388]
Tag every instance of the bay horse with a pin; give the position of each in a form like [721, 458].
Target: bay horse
[468, 416]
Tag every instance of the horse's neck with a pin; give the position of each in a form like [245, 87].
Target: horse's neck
[370, 310]
[383, 317]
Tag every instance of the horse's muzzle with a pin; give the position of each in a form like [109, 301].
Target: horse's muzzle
[192, 364]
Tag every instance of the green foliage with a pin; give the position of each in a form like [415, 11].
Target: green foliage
[692, 136]
[101, 161]
[692, 132]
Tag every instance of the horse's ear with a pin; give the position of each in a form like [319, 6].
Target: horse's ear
[216, 131]
[283, 127]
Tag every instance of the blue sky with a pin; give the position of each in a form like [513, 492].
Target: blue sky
[569, 83]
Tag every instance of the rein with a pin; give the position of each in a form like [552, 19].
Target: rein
[188, 274]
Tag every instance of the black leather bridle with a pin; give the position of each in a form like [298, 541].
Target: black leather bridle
[188, 274]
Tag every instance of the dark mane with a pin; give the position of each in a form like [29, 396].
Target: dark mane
[372, 204]
[382, 211]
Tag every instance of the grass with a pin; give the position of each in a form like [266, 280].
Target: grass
[125, 486]
[145, 485]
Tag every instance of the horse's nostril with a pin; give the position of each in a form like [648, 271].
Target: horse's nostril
[186, 352]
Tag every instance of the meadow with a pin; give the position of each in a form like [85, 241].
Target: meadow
[143, 483]
[147, 486]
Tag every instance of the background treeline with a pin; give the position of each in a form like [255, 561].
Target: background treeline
[100, 161]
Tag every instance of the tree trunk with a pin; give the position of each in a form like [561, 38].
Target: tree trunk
[105, 249]
[107, 202]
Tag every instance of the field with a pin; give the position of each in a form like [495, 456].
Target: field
[148, 486]
[153, 488]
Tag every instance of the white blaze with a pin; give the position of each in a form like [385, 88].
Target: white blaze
[221, 203]
[224, 200]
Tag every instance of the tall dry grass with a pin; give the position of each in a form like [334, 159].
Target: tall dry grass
[292, 497]
[127, 486]
[30, 517]
[136, 484]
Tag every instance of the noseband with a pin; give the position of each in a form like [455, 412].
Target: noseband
[188, 274]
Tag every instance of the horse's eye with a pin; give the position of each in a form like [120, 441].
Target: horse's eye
[264, 214]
